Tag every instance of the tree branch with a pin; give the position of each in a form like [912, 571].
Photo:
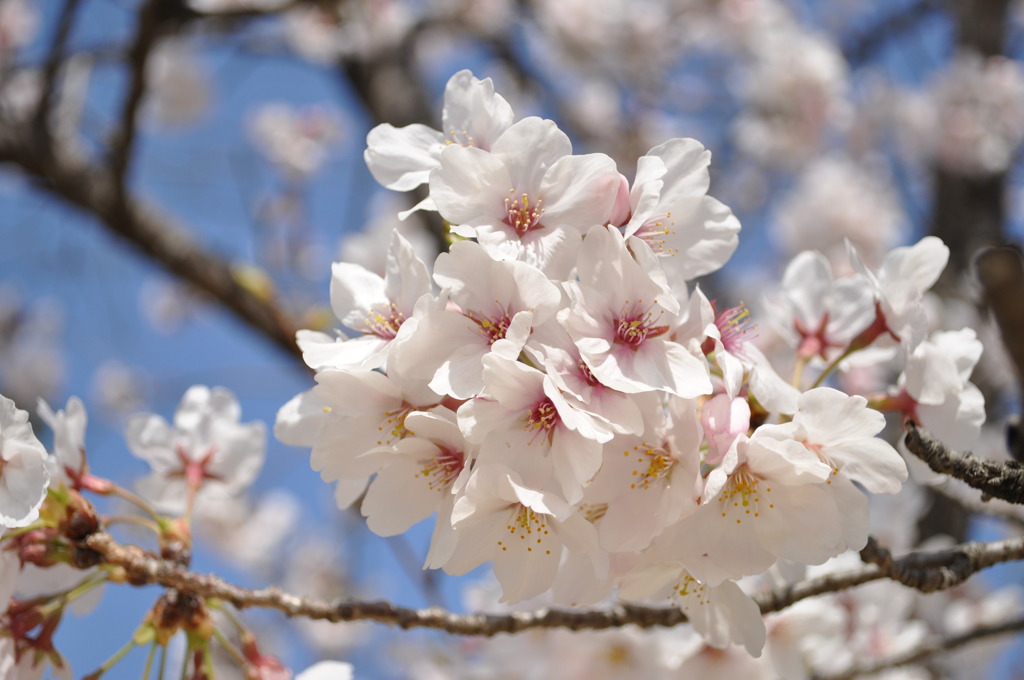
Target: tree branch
[151, 17]
[54, 61]
[997, 479]
[934, 647]
[92, 188]
[928, 570]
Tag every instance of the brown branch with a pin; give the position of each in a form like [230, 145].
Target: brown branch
[92, 189]
[54, 61]
[151, 17]
[997, 479]
[929, 570]
[932, 648]
[1001, 274]
[967, 498]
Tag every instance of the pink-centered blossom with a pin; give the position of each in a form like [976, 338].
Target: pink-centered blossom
[620, 324]
[527, 199]
[472, 115]
[495, 306]
[205, 446]
[899, 286]
[423, 469]
[669, 210]
[375, 308]
[523, 422]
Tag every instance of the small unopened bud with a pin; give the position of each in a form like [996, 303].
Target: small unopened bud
[80, 518]
[176, 542]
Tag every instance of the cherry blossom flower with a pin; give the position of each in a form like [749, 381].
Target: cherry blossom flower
[723, 614]
[23, 468]
[206, 445]
[551, 347]
[649, 482]
[767, 500]
[341, 429]
[375, 307]
[67, 462]
[522, 421]
[726, 338]
[934, 388]
[817, 313]
[425, 470]
[524, 531]
[620, 325]
[841, 430]
[899, 286]
[497, 305]
[528, 198]
[670, 211]
[472, 115]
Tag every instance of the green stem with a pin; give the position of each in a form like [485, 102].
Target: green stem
[135, 500]
[231, 649]
[833, 365]
[118, 655]
[149, 661]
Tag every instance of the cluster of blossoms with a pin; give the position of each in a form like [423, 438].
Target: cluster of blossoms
[571, 406]
[206, 452]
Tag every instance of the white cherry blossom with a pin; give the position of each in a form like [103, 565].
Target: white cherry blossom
[472, 115]
[496, 306]
[23, 468]
[767, 500]
[817, 313]
[425, 469]
[671, 212]
[205, 446]
[524, 422]
[723, 614]
[528, 198]
[67, 462]
[620, 325]
[900, 284]
[523, 530]
[376, 308]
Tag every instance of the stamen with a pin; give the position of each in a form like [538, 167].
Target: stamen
[521, 216]
[635, 326]
[384, 322]
[735, 328]
[655, 232]
[443, 469]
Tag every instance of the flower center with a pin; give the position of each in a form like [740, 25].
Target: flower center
[634, 326]
[443, 469]
[652, 463]
[384, 322]
[655, 232]
[734, 326]
[492, 328]
[743, 496]
[542, 418]
[521, 216]
[530, 527]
